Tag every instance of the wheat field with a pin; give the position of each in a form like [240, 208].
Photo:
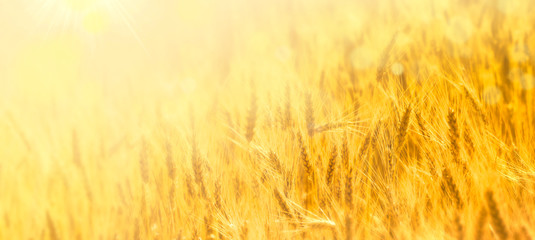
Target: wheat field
[235, 119]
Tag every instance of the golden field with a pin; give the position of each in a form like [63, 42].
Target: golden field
[236, 119]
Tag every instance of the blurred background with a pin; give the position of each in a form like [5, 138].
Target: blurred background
[99, 75]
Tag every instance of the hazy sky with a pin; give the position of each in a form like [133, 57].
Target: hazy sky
[55, 41]
[46, 43]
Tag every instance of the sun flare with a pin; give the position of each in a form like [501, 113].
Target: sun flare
[80, 5]
[88, 18]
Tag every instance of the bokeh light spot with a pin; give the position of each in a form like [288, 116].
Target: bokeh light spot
[492, 95]
[507, 6]
[514, 74]
[363, 58]
[519, 53]
[459, 29]
[527, 82]
[188, 85]
[397, 68]
[283, 53]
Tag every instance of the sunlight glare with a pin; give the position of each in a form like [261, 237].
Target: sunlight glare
[80, 5]
[95, 22]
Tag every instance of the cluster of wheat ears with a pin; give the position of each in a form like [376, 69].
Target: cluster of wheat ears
[432, 142]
